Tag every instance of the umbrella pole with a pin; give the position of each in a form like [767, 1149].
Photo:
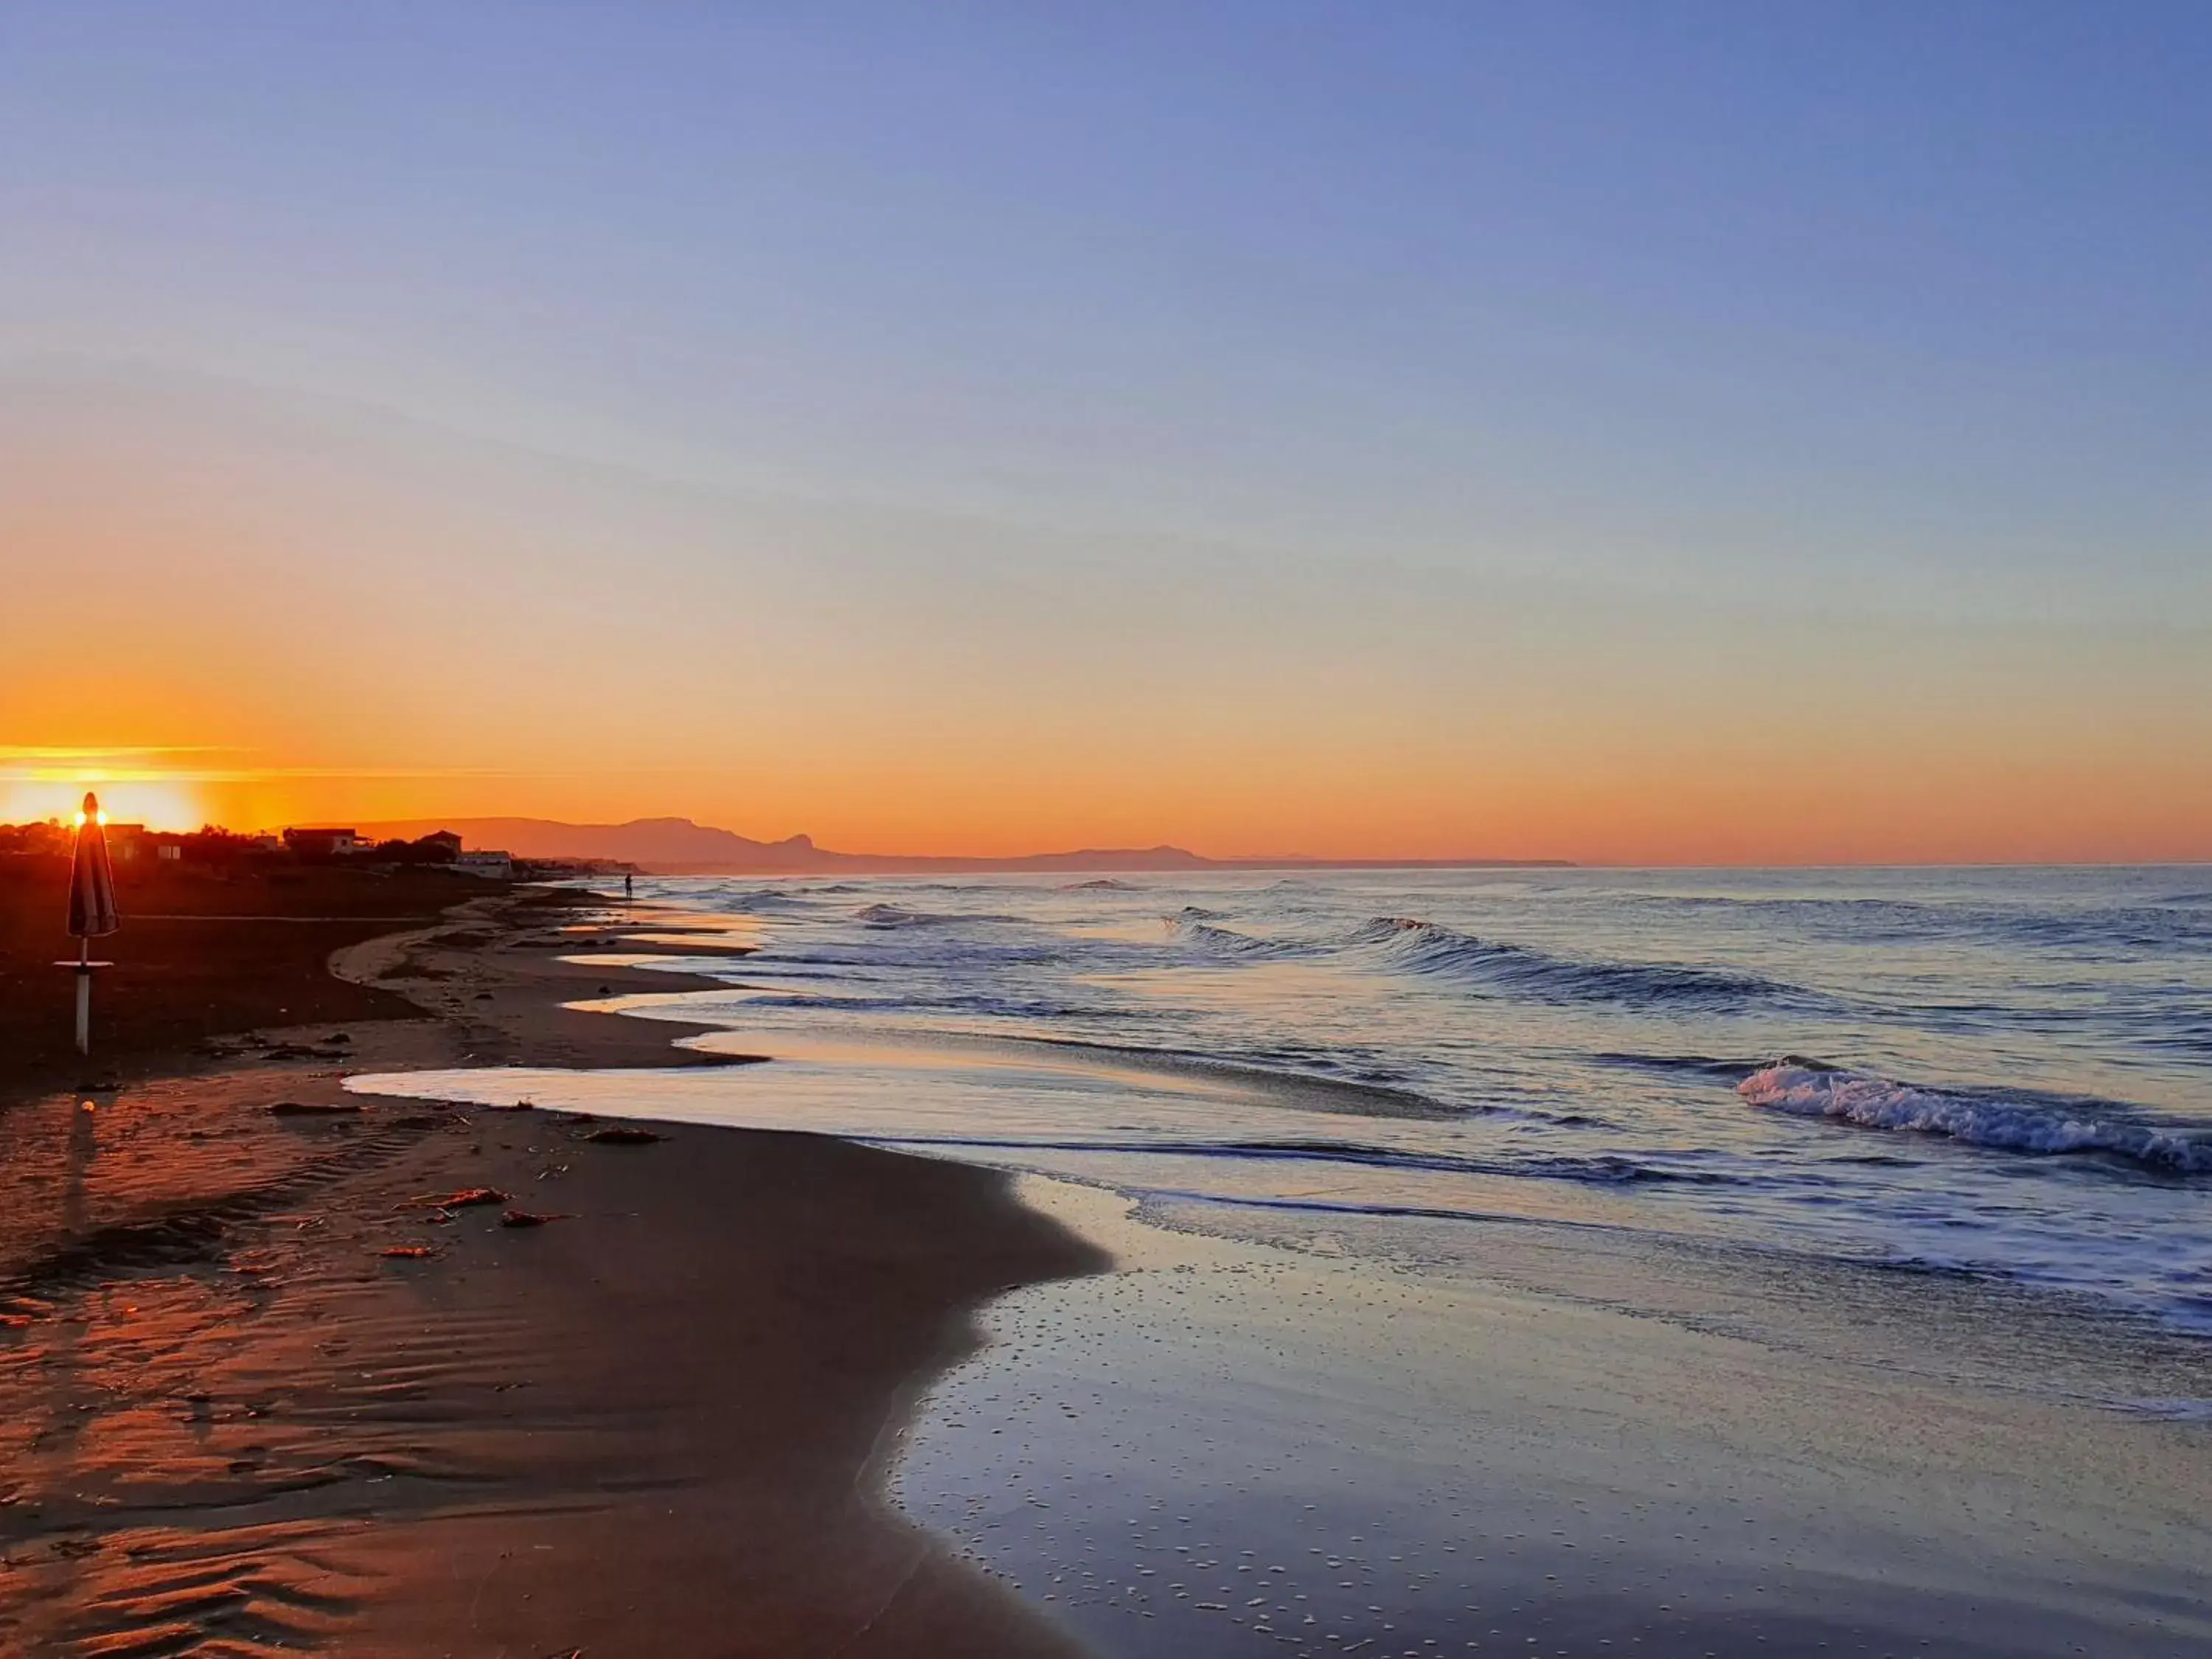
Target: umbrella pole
[84, 996]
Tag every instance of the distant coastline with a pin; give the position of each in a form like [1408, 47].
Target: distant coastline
[680, 847]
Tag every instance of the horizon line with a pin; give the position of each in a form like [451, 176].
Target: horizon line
[707, 867]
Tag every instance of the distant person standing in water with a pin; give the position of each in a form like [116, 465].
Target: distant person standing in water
[629, 885]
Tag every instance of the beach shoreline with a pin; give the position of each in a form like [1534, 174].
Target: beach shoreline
[1297, 1419]
[752, 1390]
[260, 1393]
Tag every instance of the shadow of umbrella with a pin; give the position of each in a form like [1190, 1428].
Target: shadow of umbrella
[83, 1147]
[67, 1564]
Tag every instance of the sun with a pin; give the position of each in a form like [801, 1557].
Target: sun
[157, 803]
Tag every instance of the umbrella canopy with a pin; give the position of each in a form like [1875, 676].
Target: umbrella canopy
[92, 880]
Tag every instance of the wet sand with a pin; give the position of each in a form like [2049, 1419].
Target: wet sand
[1228, 1448]
[233, 1421]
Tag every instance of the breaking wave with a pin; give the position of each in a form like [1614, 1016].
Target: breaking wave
[2013, 1124]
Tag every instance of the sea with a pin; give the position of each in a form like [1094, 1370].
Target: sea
[1995, 1075]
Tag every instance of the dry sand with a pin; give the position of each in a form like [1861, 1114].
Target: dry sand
[230, 1423]
[202, 953]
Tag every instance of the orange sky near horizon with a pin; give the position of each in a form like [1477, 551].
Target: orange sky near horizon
[326, 613]
[1627, 817]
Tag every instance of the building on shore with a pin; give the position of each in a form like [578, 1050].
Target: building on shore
[323, 842]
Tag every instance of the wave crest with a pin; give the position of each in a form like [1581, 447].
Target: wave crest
[896, 915]
[2017, 1125]
[758, 899]
[1197, 927]
[1426, 947]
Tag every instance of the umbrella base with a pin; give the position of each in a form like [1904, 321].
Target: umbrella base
[84, 967]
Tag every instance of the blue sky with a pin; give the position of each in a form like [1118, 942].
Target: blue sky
[1856, 312]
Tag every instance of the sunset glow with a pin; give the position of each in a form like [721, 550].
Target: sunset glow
[51, 785]
[1117, 831]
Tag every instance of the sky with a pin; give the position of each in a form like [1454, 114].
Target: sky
[1644, 433]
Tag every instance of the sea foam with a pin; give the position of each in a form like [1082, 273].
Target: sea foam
[2015, 1125]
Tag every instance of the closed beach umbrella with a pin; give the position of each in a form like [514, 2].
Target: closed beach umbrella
[92, 879]
[91, 912]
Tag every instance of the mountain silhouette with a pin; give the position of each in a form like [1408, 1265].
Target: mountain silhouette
[680, 847]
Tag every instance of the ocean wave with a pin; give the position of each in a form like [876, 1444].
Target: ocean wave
[1290, 1083]
[769, 898]
[2193, 1038]
[2007, 1123]
[1425, 947]
[896, 915]
[1699, 1066]
[1605, 1170]
[1010, 1008]
[893, 915]
[1193, 926]
[2125, 930]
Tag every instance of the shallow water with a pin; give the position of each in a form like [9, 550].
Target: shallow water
[2004, 1074]
[1226, 1448]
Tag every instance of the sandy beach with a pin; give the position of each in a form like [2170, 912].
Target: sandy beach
[261, 1392]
